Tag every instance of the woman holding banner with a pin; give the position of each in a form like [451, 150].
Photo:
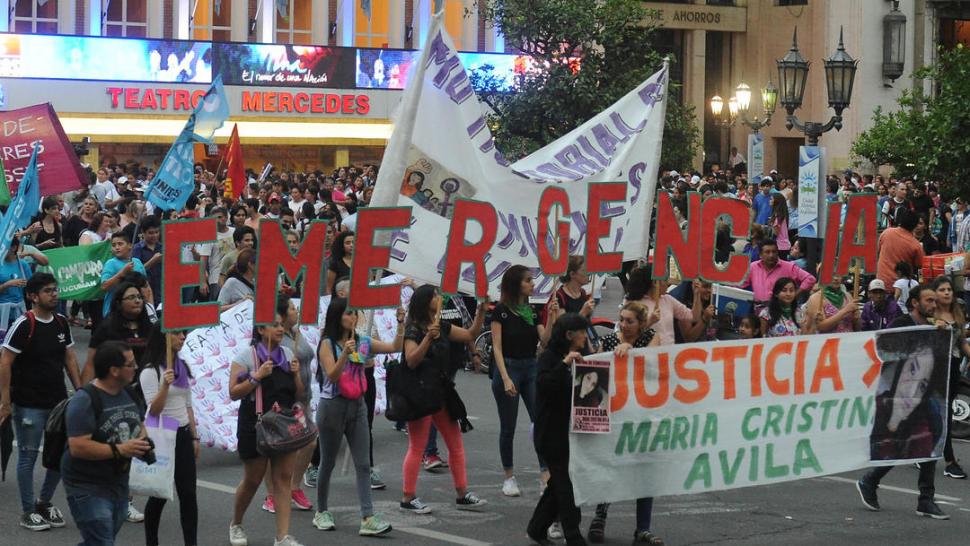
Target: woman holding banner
[164, 381]
[634, 332]
[779, 317]
[342, 412]
[269, 370]
[832, 310]
[554, 385]
[950, 311]
[516, 334]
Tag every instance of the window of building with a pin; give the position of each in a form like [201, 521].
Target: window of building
[35, 16]
[126, 18]
[294, 26]
[212, 20]
[791, 2]
[371, 29]
[455, 23]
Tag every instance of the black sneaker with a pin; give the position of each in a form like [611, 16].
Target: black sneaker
[51, 515]
[953, 470]
[34, 522]
[597, 530]
[868, 494]
[929, 509]
[415, 506]
[470, 501]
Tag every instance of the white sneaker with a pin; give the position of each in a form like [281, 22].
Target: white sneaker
[134, 516]
[237, 537]
[510, 488]
[555, 531]
[288, 540]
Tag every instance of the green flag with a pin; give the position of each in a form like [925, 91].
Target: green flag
[4, 189]
[78, 270]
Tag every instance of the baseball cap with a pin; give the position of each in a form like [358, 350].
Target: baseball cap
[273, 196]
[877, 284]
[674, 174]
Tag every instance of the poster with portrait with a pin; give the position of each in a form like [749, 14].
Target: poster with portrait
[591, 398]
[911, 397]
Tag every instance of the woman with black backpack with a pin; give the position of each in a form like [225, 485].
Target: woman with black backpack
[343, 355]
[165, 384]
[426, 351]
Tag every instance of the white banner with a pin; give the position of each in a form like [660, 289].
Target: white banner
[811, 191]
[756, 158]
[711, 416]
[209, 353]
[442, 150]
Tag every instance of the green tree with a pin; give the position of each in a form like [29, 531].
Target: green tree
[615, 50]
[929, 135]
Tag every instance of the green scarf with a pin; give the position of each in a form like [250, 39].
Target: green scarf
[835, 296]
[786, 312]
[524, 310]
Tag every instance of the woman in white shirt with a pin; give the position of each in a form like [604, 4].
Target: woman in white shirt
[164, 380]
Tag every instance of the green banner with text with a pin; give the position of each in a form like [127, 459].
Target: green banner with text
[78, 270]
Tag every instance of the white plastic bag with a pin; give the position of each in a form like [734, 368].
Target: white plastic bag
[156, 480]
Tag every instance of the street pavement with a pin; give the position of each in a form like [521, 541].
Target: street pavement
[807, 512]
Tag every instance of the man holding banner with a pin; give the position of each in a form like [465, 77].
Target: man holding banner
[904, 421]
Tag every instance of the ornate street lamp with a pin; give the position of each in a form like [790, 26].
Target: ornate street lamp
[894, 43]
[840, 71]
[717, 108]
[769, 99]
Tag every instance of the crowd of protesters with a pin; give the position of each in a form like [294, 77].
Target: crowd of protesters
[130, 369]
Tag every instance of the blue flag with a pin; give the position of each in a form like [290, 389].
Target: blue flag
[175, 181]
[23, 207]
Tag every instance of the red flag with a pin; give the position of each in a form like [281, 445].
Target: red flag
[236, 178]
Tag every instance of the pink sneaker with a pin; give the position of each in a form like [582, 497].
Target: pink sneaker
[300, 500]
[269, 505]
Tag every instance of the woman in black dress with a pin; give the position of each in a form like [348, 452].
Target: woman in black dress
[341, 254]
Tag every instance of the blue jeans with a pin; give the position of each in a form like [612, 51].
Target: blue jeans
[431, 450]
[28, 424]
[98, 518]
[522, 372]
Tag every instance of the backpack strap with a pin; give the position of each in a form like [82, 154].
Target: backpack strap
[97, 404]
[259, 388]
[32, 320]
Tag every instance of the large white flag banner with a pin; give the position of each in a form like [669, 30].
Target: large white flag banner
[442, 150]
[209, 353]
[705, 417]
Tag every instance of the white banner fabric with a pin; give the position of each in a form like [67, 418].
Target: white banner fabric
[442, 150]
[711, 416]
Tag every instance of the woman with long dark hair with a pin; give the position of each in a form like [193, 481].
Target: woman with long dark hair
[516, 335]
[778, 318]
[950, 311]
[426, 339]
[832, 309]
[642, 287]
[344, 414]
[164, 380]
[240, 284]
[553, 407]
[779, 224]
[268, 368]
[341, 255]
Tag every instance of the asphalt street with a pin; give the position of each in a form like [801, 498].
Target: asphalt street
[807, 512]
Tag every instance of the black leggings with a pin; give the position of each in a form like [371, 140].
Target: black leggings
[954, 380]
[185, 487]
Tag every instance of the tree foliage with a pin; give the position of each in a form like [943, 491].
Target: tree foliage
[929, 135]
[615, 51]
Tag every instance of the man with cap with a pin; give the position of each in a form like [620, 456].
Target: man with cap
[880, 310]
[274, 206]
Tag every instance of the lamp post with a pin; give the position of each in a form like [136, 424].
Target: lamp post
[894, 43]
[840, 71]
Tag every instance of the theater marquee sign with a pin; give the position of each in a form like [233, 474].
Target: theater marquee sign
[697, 17]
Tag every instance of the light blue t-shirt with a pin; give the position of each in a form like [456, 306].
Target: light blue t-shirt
[111, 268]
[330, 390]
[17, 269]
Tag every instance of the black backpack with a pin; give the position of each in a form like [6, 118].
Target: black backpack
[55, 430]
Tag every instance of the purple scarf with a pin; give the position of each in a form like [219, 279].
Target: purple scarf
[181, 373]
[277, 356]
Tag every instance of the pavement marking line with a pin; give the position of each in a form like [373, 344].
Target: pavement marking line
[892, 488]
[216, 487]
[444, 537]
[426, 533]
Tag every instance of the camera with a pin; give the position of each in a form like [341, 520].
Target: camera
[149, 456]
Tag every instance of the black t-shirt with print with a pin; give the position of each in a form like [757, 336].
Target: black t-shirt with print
[37, 377]
[115, 329]
[519, 338]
